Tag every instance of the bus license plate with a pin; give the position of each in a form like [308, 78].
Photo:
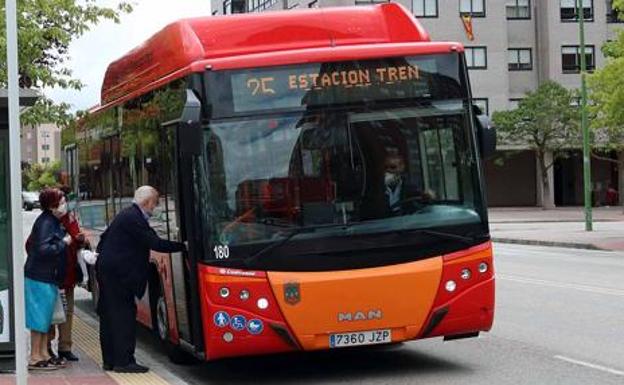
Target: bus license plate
[369, 337]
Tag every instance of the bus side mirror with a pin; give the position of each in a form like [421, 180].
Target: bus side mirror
[486, 135]
[190, 131]
[190, 136]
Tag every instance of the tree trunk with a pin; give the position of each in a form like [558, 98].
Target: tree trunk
[547, 201]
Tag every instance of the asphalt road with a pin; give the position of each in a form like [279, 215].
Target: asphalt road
[559, 320]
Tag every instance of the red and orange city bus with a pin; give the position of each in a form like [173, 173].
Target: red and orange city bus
[324, 167]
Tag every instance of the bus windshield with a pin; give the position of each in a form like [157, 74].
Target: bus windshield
[401, 158]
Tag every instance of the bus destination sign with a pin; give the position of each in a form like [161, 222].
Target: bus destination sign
[344, 79]
[331, 83]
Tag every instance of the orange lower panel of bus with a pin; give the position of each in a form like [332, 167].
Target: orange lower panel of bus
[252, 312]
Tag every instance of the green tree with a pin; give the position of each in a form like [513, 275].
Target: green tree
[545, 121]
[606, 87]
[39, 176]
[45, 30]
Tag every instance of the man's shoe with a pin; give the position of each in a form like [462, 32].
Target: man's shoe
[107, 367]
[68, 355]
[131, 368]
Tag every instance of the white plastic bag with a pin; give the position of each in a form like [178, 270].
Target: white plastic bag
[88, 256]
[59, 317]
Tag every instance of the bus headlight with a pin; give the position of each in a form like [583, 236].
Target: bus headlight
[483, 267]
[244, 295]
[224, 292]
[465, 274]
[263, 303]
[450, 286]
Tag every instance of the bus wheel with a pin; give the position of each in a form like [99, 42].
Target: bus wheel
[160, 325]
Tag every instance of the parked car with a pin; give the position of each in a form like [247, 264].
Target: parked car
[30, 200]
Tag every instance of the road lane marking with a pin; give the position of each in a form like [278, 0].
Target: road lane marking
[590, 365]
[562, 285]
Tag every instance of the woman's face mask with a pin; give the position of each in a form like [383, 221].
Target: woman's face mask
[61, 210]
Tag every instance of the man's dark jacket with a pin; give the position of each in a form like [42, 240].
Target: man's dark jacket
[125, 246]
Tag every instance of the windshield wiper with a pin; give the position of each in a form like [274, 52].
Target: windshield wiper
[287, 237]
[442, 234]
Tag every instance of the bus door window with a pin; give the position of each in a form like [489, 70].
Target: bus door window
[92, 209]
[129, 176]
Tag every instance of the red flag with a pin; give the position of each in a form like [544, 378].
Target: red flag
[467, 20]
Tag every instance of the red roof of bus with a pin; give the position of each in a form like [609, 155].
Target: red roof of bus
[174, 49]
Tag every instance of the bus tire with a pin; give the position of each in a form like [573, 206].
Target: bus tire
[160, 325]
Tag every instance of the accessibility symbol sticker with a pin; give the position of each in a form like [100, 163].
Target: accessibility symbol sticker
[255, 326]
[238, 322]
[221, 319]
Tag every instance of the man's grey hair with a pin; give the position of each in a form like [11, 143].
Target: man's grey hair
[143, 194]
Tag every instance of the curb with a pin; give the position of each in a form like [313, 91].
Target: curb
[509, 222]
[569, 245]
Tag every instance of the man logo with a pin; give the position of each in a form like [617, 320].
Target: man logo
[292, 296]
[360, 316]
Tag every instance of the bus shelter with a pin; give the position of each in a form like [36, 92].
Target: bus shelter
[27, 98]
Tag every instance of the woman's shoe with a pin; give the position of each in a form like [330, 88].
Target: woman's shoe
[42, 365]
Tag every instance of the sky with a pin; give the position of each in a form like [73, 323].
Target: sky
[107, 41]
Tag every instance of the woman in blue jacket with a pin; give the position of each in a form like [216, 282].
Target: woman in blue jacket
[43, 270]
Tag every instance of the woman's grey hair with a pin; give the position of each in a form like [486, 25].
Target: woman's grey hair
[144, 193]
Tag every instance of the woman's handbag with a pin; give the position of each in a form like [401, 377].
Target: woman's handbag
[58, 317]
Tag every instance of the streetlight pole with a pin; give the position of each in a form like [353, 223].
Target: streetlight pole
[584, 126]
[17, 243]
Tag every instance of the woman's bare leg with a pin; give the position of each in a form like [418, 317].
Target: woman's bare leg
[43, 347]
[35, 347]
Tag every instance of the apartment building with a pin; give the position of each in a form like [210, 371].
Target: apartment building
[41, 143]
[517, 45]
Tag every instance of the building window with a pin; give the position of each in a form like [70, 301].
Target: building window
[45, 159]
[45, 147]
[260, 5]
[514, 103]
[425, 8]
[520, 59]
[571, 58]
[483, 104]
[474, 8]
[369, 2]
[518, 9]
[569, 13]
[476, 57]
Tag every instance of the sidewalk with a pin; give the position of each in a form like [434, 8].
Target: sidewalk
[88, 371]
[563, 227]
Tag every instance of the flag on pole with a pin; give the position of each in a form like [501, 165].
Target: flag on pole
[467, 21]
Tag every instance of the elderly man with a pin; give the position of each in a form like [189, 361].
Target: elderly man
[122, 272]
